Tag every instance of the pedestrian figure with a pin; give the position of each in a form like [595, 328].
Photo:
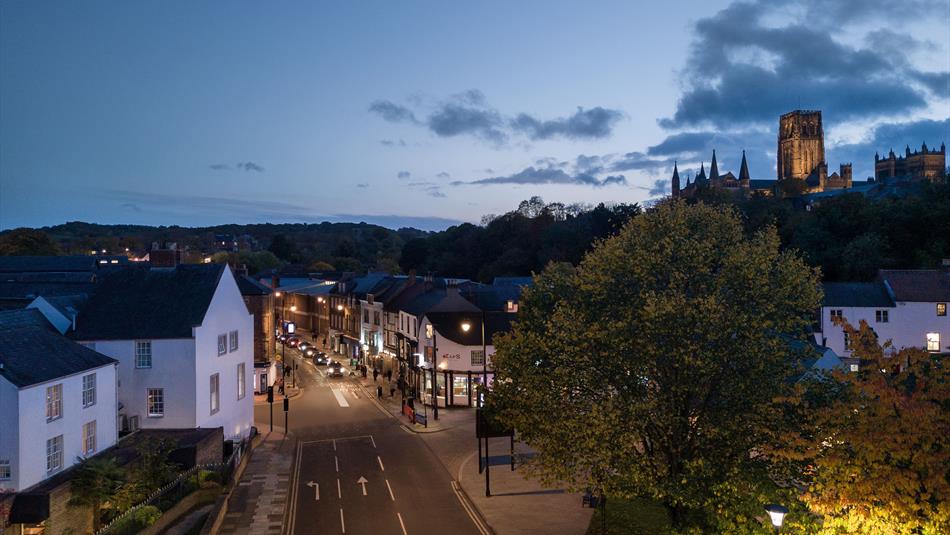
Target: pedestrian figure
[379, 392]
[375, 374]
[392, 389]
[389, 374]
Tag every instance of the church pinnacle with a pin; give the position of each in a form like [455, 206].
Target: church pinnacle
[743, 170]
[675, 182]
[714, 169]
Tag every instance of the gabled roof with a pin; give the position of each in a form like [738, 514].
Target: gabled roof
[856, 294]
[33, 352]
[917, 285]
[449, 325]
[47, 263]
[135, 303]
[249, 286]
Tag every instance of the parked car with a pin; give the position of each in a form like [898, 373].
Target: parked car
[335, 369]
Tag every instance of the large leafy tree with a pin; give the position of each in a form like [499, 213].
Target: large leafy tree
[27, 242]
[873, 455]
[94, 484]
[650, 369]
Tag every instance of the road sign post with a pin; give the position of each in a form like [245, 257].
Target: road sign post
[286, 410]
[270, 400]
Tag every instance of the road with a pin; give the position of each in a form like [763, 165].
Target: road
[358, 471]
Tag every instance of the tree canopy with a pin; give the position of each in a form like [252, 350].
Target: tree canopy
[650, 368]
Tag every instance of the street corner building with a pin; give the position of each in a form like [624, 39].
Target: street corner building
[183, 337]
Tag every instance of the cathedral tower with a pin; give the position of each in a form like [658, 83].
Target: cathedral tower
[801, 145]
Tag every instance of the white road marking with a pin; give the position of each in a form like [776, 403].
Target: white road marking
[362, 481]
[390, 490]
[373, 441]
[339, 398]
[334, 445]
[338, 493]
[336, 461]
[342, 524]
[471, 514]
[380, 463]
[403, 526]
[316, 489]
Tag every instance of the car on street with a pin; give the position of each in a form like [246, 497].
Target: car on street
[283, 338]
[303, 346]
[335, 369]
[319, 357]
[292, 341]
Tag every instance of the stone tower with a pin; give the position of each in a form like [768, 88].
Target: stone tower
[801, 144]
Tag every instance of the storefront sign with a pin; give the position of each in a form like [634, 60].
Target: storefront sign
[456, 356]
[421, 419]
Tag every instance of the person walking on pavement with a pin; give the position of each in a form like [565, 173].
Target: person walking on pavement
[392, 388]
[375, 374]
[389, 375]
[379, 392]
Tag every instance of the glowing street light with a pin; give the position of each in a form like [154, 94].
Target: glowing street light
[293, 308]
[339, 307]
[466, 326]
[777, 514]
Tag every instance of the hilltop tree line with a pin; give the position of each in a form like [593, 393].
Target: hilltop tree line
[849, 237]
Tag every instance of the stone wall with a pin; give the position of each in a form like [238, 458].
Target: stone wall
[65, 519]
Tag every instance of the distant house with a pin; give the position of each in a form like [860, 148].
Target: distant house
[908, 307]
[184, 341]
[260, 303]
[57, 400]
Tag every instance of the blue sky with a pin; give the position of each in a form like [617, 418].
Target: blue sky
[427, 113]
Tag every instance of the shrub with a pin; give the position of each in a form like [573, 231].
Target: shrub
[147, 515]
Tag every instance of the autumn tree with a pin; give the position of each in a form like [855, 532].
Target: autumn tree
[27, 242]
[873, 455]
[650, 369]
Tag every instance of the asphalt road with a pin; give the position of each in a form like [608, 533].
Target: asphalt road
[358, 471]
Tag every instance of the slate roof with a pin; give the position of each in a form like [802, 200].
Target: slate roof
[917, 285]
[249, 286]
[33, 352]
[513, 281]
[449, 325]
[138, 302]
[856, 294]
[47, 263]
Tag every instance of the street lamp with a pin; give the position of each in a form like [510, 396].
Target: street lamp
[777, 514]
[466, 326]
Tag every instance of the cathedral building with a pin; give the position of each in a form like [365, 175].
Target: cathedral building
[801, 165]
[925, 164]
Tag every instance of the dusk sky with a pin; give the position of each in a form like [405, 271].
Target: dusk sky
[429, 113]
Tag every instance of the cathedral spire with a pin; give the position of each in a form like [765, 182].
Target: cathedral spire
[714, 170]
[702, 172]
[676, 180]
[744, 170]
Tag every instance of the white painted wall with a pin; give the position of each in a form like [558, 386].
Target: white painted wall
[366, 328]
[32, 429]
[52, 314]
[226, 313]
[172, 370]
[907, 326]
[456, 357]
[9, 431]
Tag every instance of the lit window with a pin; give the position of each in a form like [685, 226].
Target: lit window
[215, 400]
[54, 402]
[222, 344]
[428, 330]
[478, 357]
[880, 316]
[233, 340]
[241, 379]
[511, 306]
[54, 454]
[143, 354]
[89, 438]
[156, 402]
[933, 341]
[88, 390]
[5, 472]
[941, 309]
[854, 367]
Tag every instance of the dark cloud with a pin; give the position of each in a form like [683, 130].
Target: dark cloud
[658, 188]
[362, 185]
[392, 112]
[403, 175]
[392, 142]
[755, 74]
[547, 175]
[468, 113]
[130, 206]
[686, 142]
[219, 167]
[435, 191]
[594, 123]
[937, 83]
[250, 166]
[443, 175]
[637, 161]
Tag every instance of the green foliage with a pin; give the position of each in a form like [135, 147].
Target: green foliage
[283, 248]
[95, 482]
[27, 242]
[650, 369]
[637, 516]
[153, 470]
[147, 515]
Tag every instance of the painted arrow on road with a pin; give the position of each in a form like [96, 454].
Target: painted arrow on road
[362, 481]
[316, 489]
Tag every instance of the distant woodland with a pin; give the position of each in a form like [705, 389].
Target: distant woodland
[849, 237]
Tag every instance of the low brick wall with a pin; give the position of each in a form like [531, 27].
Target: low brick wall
[65, 519]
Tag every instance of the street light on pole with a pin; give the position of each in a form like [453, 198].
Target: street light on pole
[466, 326]
[777, 515]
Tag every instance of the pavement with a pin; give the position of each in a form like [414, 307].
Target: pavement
[257, 503]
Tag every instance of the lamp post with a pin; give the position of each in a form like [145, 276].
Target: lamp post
[777, 515]
[293, 369]
[435, 382]
[466, 326]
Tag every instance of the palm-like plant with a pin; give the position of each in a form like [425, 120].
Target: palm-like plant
[94, 484]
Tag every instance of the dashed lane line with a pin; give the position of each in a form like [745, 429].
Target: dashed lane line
[390, 490]
[403, 526]
[342, 523]
[336, 461]
[338, 493]
[381, 468]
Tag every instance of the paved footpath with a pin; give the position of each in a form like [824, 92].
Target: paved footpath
[257, 503]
